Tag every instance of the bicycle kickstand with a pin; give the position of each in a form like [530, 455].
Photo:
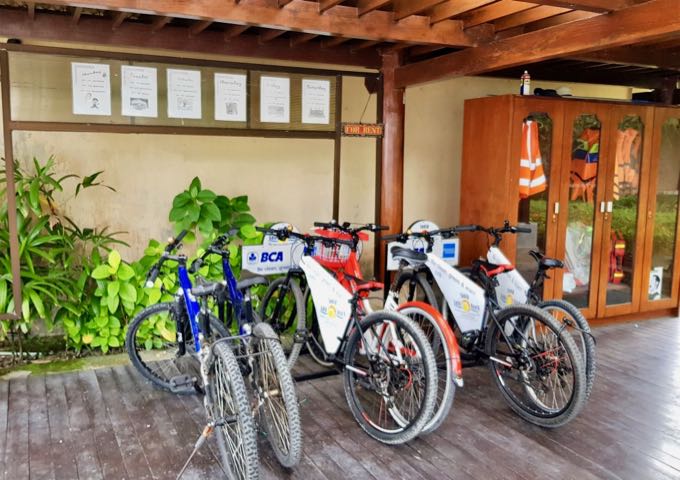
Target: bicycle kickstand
[207, 431]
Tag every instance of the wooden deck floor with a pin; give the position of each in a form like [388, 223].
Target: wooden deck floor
[109, 423]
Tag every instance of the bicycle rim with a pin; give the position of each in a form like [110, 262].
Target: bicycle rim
[391, 397]
[542, 378]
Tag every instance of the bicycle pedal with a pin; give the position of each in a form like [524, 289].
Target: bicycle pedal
[183, 384]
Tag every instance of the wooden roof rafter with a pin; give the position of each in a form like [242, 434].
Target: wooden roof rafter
[303, 16]
[654, 20]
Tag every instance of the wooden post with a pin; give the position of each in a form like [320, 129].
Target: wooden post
[11, 192]
[391, 185]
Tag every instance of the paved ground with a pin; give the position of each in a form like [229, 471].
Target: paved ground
[109, 423]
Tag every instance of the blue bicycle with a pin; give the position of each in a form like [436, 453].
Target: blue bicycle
[182, 347]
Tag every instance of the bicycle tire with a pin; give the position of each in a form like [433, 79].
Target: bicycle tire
[420, 282]
[271, 374]
[586, 337]
[236, 440]
[161, 374]
[533, 412]
[446, 388]
[299, 316]
[398, 434]
[314, 343]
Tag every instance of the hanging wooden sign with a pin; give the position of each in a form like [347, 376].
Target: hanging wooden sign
[362, 129]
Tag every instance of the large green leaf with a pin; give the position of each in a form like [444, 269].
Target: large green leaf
[37, 303]
[211, 212]
[193, 212]
[195, 187]
[181, 200]
[114, 342]
[248, 231]
[113, 288]
[114, 260]
[112, 303]
[178, 213]
[128, 293]
[125, 272]
[205, 196]
[3, 294]
[101, 272]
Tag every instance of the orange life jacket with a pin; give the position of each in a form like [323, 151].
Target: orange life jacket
[531, 176]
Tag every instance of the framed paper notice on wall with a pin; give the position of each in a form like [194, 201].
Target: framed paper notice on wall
[316, 101]
[139, 91]
[274, 99]
[230, 97]
[91, 88]
[184, 93]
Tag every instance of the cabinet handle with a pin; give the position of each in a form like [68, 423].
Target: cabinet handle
[556, 208]
[610, 207]
[602, 207]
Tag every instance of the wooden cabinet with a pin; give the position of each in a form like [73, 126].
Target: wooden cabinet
[609, 207]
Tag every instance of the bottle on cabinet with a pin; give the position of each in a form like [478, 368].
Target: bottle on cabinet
[525, 84]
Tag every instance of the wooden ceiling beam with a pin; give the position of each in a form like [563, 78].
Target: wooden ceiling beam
[300, 15]
[118, 19]
[198, 27]
[301, 38]
[528, 16]
[655, 19]
[424, 50]
[31, 10]
[269, 35]
[96, 31]
[494, 12]
[77, 12]
[572, 16]
[160, 22]
[452, 8]
[328, 4]
[334, 41]
[367, 6]
[283, 3]
[233, 31]
[635, 56]
[406, 8]
[597, 6]
[365, 44]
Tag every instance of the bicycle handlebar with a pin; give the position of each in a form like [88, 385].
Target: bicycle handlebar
[346, 227]
[285, 234]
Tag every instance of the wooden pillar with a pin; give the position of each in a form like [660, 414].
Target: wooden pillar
[391, 180]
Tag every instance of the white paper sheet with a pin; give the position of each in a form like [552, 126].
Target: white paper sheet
[184, 93]
[316, 101]
[230, 97]
[91, 88]
[139, 91]
[274, 99]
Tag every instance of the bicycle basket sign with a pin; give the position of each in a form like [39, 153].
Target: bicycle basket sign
[446, 249]
[274, 256]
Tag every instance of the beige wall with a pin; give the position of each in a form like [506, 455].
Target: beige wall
[285, 179]
[434, 135]
[357, 174]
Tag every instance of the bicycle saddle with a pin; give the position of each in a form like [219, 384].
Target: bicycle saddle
[545, 263]
[207, 290]
[411, 256]
[251, 282]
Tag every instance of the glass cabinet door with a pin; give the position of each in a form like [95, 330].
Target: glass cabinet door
[539, 124]
[585, 149]
[662, 224]
[624, 213]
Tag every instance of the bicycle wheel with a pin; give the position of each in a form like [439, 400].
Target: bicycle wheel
[230, 407]
[424, 316]
[315, 344]
[289, 321]
[577, 325]
[152, 345]
[276, 391]
[414, 287]
[537, 368]
[390, 377]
